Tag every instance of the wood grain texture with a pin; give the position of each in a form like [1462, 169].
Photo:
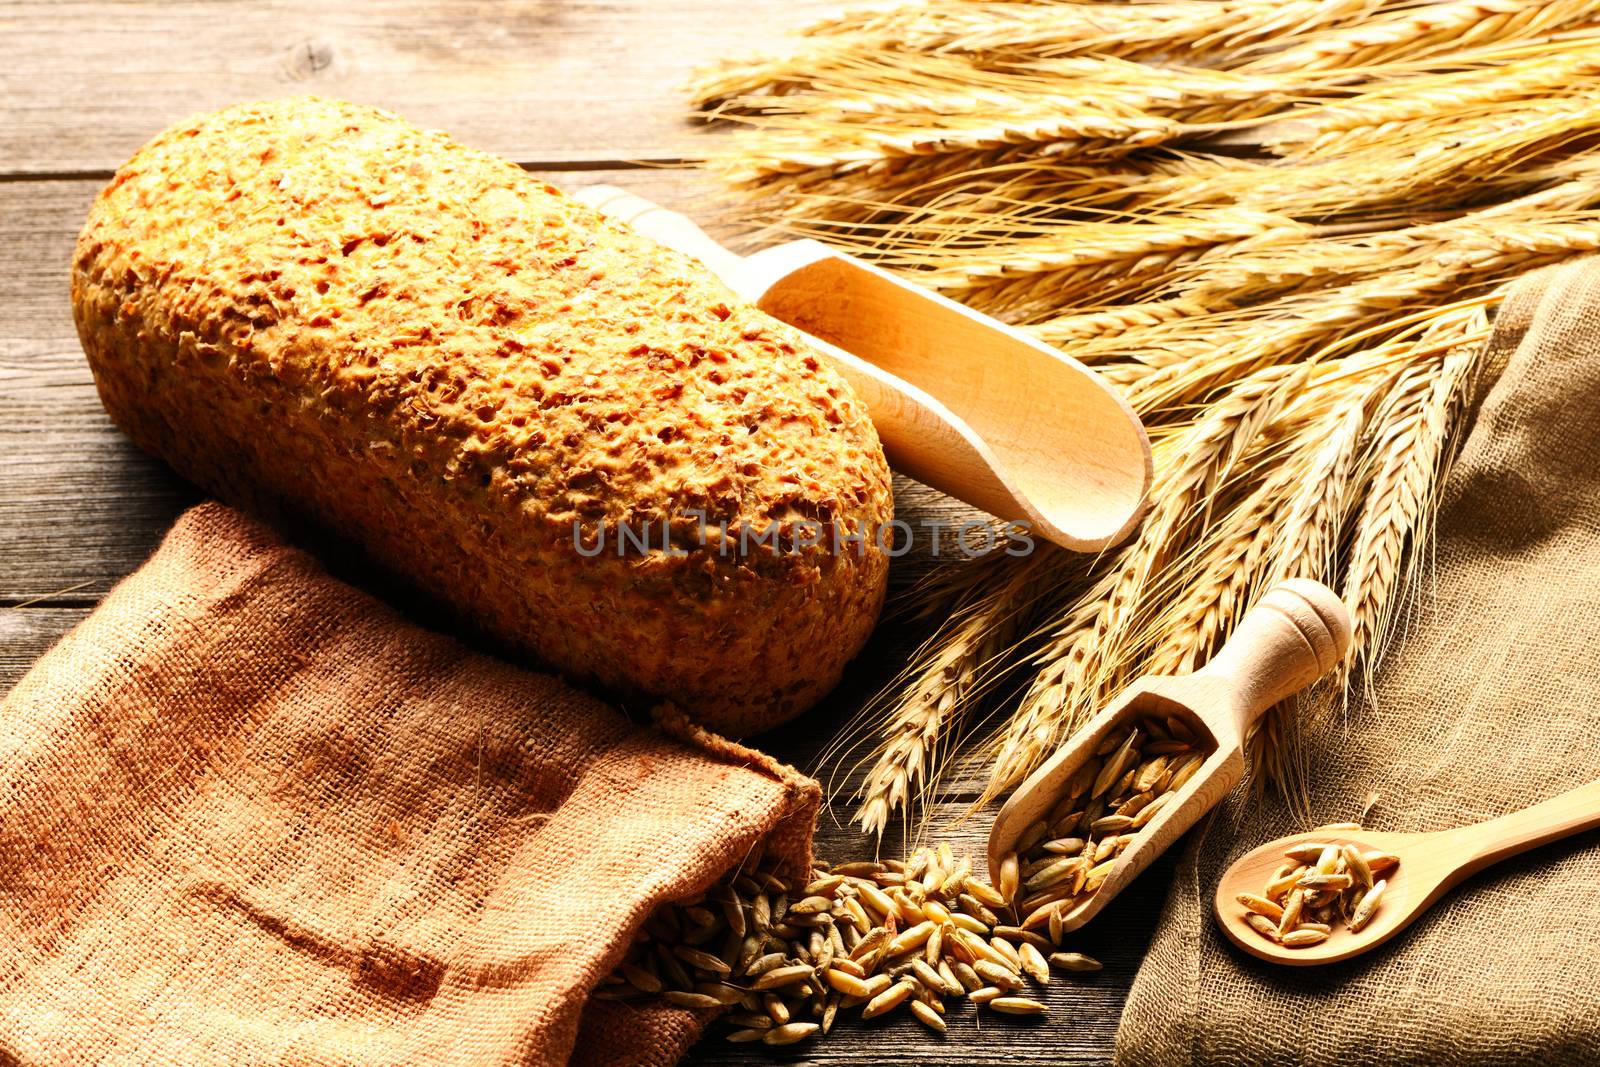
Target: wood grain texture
[576, 85]
[548, 81]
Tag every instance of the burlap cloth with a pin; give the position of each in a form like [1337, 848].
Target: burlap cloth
[1484, 704]
[253, 816]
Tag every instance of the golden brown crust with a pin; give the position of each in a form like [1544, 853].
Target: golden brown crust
[454, 365]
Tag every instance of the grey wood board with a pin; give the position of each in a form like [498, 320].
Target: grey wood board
[548, 81]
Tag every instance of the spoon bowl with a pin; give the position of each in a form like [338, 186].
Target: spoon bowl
[1430, 865]
[1296, 633]
[1252, 870]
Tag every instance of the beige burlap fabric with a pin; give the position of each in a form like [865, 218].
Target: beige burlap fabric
[1485, 703]
[253, 816]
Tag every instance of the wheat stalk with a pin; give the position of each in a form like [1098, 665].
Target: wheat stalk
[1127, 30]
[1173, 613]
[1117, 321]
[903, 83]
[1411, 433]
[1427, 30]
[1322, 130]
[1553, 224]
[1056, 702]
[1296, 329]
[1202, 458]
[914, 197]
[822, 148]
[1462, 160]
[1027, 277]
[947, 678]
[1300, 326]
[1316, 513]
[1226, 569]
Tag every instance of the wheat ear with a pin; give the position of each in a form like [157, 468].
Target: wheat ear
[1031, 277]
[949, 676]
[1426, 30]
[1011, 30]
[1411, 432]
[1322, 130]
[1201, 459]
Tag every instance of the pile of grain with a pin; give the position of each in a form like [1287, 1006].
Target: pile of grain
[1321, 883]
[784, 956]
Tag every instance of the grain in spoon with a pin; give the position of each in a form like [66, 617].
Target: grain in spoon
[1430, 864]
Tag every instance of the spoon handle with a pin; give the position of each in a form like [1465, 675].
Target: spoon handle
[1293, 635]
[1571, 812]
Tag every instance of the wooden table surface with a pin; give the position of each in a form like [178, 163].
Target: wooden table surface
[580, 91]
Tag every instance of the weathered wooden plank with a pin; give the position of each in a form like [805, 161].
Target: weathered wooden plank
[553, 81]
[25, 633]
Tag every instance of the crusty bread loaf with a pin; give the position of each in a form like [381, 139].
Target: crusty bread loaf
[314, 305]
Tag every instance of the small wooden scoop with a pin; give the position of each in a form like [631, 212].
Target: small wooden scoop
[966, 404]
[1430, 864]
[1294, 635]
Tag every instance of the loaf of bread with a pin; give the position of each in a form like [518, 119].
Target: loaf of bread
[532, 413]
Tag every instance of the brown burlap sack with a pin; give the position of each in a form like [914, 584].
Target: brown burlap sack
[1485, 703]
[253, 816]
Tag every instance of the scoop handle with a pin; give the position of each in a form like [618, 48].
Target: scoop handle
[1296, 633]
[677, 232]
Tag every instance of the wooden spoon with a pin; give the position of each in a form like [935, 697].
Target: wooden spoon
[964, 403]
[1294, 634]
[1430, 864]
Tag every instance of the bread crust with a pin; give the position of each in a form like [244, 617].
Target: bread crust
[315, 305]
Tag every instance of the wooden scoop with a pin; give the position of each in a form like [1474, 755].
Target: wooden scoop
[961, 402]
[1294, 635]
[1430, 864]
